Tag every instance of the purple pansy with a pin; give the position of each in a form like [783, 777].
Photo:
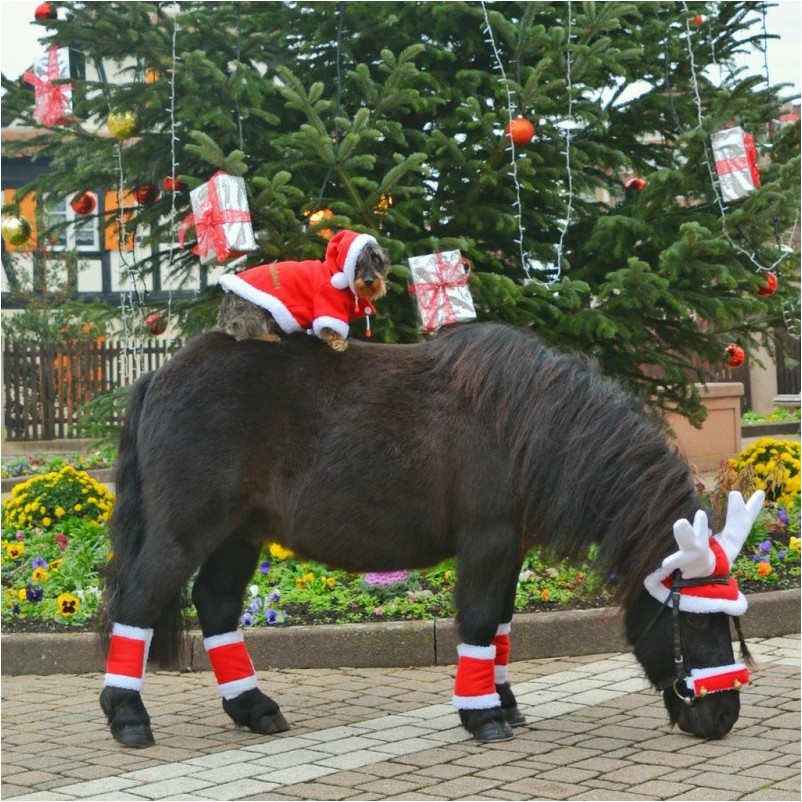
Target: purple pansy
[265, 567]
[256, 605]
[34, 594]
[246, 619]
[765, 547]
[38, 562]
[271, 616]
[782, 517]
[274, 596]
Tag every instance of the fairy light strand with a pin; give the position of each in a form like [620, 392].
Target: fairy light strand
[706, 158]
[513, 160]
[568, 134]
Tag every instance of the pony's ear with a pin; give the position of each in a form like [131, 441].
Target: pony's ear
[740, 518]
[694, 558]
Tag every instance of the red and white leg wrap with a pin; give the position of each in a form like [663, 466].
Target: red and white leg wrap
[502, 659]
[231, 663]
[475, 687]
[127, 657]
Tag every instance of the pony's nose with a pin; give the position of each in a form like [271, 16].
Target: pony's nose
[722, 724]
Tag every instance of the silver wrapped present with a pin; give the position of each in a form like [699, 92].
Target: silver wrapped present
[736, 163]
[221, 218]
[440, 288]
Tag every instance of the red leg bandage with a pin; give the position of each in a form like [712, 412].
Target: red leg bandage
[127, 657]
[231, 663]
[502, 659]
[475, 687]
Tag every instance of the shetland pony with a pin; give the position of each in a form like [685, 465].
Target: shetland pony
[481, 443]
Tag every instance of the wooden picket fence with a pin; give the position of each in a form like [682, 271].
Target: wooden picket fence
[46, 386]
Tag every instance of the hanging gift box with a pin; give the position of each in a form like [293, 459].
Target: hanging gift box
[53, 102]
[736, 163]
[440, 288]
[221, 219]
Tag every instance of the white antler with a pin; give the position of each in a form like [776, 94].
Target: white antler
[694, 557]
[740, 518]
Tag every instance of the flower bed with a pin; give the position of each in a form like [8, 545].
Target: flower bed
[53, 555]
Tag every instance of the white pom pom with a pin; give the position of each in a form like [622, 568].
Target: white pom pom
[339, 281]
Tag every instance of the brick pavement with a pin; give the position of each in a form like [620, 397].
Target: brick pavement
[595, 732]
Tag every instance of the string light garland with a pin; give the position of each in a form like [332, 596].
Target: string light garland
[511, 146]
[711, 172]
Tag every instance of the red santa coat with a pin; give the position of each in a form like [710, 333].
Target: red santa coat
[310, 295]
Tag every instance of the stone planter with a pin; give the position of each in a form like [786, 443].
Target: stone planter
[720, 435]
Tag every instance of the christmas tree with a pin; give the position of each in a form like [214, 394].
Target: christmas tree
[605, 231]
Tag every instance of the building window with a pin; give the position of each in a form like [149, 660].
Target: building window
[73, 232]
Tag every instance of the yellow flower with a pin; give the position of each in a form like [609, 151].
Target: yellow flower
[279, 552]
[15, 550]
[795, 543]
[39, 575]
[22, 594]
[60, 512]
[46, 521]
[54, 565]
[68, 604]
[78, 507]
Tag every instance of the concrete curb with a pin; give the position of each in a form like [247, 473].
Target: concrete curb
[391, 644]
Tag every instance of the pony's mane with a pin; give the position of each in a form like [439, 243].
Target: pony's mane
[588, 466]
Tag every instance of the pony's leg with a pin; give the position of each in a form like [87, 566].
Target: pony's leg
[501, 641]
[151, 585]
[217, 593]
[482, 593]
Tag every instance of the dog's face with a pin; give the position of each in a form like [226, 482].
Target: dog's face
[370, 279]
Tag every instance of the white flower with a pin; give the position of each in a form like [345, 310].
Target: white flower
[254, 590]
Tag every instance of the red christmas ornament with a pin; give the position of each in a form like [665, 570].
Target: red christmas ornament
[735, 355]
[146, 194]
[520, 131]
[44, 11]
[770, 287]
[636, 183]
[84, 203]
[698, 20]
[156, 324]
[172, 184]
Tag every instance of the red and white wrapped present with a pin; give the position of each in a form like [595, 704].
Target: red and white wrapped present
[440, 288]
[53, 101]
[221, 218]
[736, 163]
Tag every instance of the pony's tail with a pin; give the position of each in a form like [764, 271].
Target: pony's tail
[127, 530]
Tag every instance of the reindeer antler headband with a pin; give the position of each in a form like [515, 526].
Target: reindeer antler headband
[701, 555]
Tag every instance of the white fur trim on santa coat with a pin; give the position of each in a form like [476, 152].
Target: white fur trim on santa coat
[282, 315]
[483, 702]
[477, 652]
[349, 265]
[333, 323]
[714, 671]
[693, 604]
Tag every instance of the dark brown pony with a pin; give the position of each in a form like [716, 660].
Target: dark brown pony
[481, 443]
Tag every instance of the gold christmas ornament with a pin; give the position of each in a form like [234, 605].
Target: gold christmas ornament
[318, 217]
[123, 123]
[16, 230]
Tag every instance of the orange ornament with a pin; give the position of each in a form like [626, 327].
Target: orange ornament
[520, 131]
[735, 355]
[636, 183]
[770, 287]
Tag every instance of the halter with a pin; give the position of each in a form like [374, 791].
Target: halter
[698, 682]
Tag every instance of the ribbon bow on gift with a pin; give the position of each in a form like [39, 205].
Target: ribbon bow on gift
[433, 295]
[52, 100]
[209, 222]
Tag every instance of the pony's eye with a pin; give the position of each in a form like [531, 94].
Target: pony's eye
[698, 621]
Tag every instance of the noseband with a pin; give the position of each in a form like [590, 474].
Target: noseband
[718, 679]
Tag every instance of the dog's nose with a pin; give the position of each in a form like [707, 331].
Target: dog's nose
[368, 280]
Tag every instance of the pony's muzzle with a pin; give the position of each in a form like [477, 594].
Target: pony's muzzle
[710, 717]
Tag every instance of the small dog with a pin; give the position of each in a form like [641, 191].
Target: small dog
[321, 298]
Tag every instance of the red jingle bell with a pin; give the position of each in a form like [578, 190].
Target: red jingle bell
[770, 287]
[636, 183]
[172, 184]
[84, 203]
[156, 324]
[735, 355]
[146, 194]
[520, 131]
[44, 11]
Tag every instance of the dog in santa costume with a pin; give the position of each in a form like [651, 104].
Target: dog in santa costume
[321, 298]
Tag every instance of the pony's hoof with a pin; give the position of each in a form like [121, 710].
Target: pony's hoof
[137, 736]
[513, 716]
[490, 732]
[271, 724]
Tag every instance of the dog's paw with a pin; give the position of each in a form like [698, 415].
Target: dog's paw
[337, 344]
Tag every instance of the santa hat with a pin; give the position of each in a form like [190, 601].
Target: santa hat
[344, 249]
[701, 556]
